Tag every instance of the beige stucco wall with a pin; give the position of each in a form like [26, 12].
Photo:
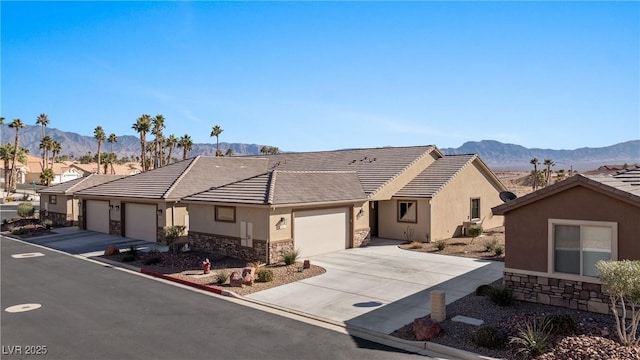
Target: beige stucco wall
[202, 219]
[175, 214]
[403, 179]
[389, 227]
[452, 206]
[360, 221]
[277, 233]
[114, 213]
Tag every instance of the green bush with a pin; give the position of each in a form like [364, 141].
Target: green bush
[489, 337]
[171, 236]
[264, 275]
[25, 209]
[474, 231]
[440, 245]
[532, 340]
[483, 290]
[290, 256]
[560, 324]
[222, 277]
[128, 258]
[19, 231]
[501, 295]
[498, 250]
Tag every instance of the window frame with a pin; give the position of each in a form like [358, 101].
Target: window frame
[53, 199]
[222, 218]
[551, 261]
[471, 201]
[399, 206]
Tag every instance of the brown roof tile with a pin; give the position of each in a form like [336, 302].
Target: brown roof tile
[69, 187]
[436, 176]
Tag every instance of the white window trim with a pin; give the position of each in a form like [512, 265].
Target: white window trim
[550, 248]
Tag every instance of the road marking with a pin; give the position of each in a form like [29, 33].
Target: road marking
[26, 255]
[22, 308]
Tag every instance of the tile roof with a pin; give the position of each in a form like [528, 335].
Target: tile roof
[625, 185]
[180, 179]
[71, 186]
[375, 167]
[279, 187]
[436, 176]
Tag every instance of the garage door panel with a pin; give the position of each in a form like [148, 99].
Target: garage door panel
[321, 231]
[97, 213]
[140, 221]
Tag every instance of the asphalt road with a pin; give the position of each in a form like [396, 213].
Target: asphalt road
[94, 311]
[11, 211]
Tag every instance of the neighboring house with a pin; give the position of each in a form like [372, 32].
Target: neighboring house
[554, 237]
[58, 203]
[116, 169]
[22, 170]
[140, 206]
[254, 207]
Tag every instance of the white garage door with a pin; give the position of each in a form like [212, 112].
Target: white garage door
[97, 213]
[321, 231]
[140, 221]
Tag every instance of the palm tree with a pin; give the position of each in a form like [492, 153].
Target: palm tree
[142, 126]
[45, 145]
[99, 134]
[43, 120]
[112, 139]
[6, 155]
[16, 124]
[47, 176]
[158, 126]
[535, 163]
[229, 152]
[548, 163]
[171, 143]
[56, 148]
[216, 131]
[186, 144]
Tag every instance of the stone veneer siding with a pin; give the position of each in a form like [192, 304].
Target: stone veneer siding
[558, 292]
[228, 245]
[115, 227]
[277, 247]
[58, 219]
[361, 237]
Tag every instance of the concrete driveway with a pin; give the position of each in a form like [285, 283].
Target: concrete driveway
[381, 287]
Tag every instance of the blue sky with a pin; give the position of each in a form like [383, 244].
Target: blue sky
[309, 76]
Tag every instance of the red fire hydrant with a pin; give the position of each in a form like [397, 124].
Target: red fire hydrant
[206, 266]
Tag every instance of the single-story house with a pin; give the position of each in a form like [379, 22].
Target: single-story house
[58, 203]
[140, 206]
[325, 201]
[253, 207]
[554, 237]
[114, 169]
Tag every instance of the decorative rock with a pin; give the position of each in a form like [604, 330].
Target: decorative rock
[111, 250]
[236, 279]
[426, 329]
[248, 275]
[306, 264]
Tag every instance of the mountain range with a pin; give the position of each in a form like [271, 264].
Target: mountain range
[499, 156]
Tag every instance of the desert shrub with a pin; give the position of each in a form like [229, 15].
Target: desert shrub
[19, 231]
[498, 250]
[490, 245]
[264, 275]
[483, 290]
[474, 231]
[290, 256]
[172, 234]
[47, 223]
[533, 339]
[133, 251]
[25, 209]
[416, 245]
[222, 277]
[621, 281]
[128, 258]
[440, 245]
[489, 337]
[500, 295]
[560, 324]
[9, 199]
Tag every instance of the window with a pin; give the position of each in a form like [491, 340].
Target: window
[576, 246]
[407, 211]
[53, 199]
[226, 213]
[475, 209]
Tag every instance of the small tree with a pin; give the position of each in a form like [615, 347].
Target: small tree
[171, 235]
[25, 209]
[621, 280]
[474, 231]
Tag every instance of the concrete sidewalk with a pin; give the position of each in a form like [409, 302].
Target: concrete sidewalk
[380, 288]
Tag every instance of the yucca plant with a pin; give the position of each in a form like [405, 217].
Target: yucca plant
[533, 339]
[222, 277]
[290, 256]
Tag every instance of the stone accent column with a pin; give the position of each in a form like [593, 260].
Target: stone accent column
[438, 306]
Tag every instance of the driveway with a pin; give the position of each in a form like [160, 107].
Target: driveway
[87, 243]
[380, 287]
